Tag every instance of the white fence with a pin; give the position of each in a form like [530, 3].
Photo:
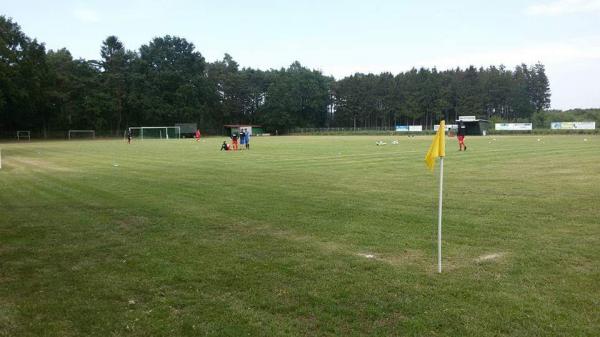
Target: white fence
[448, 127]
[573, 125]
[513, 126]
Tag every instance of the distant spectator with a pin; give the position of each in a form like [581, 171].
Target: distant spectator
[247, 140]
[462, 131]
[243, 136]
[234, 141]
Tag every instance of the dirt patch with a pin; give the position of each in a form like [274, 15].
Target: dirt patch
[132, 222]
[391, 320]
[35, 164]
[408, 256]
[8, 319]
[489, 257]
[324, 246]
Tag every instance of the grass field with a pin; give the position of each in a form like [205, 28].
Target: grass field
[300, 236]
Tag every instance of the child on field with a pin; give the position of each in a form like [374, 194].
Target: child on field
[462, 131]
[242, 137]
[247, 139]
[234, 141]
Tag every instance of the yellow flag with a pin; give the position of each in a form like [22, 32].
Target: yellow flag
[438, 146]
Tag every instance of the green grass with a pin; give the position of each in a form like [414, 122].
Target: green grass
[180, 239]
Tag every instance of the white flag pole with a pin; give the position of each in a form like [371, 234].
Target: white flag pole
[440, 215]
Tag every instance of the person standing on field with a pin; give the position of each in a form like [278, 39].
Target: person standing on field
[242, 136]
[128, 135]
[198, 135]
[234, 141]
[247, 140]
[460, 134]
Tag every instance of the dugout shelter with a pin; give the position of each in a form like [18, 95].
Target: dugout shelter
[474, 125]
[254, 130]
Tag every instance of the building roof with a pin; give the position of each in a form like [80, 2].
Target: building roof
[472, 120]
[240, 125]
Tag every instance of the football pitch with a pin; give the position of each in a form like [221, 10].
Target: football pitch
[300, 236]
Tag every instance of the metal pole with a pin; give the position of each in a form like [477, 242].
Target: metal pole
[440, 215]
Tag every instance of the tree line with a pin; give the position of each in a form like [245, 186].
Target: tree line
[544, 118]
[168, 81]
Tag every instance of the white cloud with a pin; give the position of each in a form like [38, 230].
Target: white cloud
[562, 7]
[552, 53]
[86, 15]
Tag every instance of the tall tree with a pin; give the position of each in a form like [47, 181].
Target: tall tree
[13, 42]
[539, 88]
[115, 64]
[174, 82]
[296, 96]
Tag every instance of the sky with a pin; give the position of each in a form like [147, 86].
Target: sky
[341, 38]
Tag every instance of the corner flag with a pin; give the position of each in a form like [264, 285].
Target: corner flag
[438, 149]
[438, 146]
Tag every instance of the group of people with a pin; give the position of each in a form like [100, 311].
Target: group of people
[243, 138]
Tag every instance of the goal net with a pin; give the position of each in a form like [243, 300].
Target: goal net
[155, 132]
[82, 134]
[22, 135]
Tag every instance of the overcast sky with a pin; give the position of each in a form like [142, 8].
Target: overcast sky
[343, 37]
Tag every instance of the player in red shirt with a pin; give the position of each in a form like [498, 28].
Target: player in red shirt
[462, 131]
[234, 141]
[198, 135]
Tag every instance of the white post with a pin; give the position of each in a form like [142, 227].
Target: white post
[440, 215]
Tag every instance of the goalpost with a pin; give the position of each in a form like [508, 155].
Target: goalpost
[24, 134]
[79, 133]
[155, 132]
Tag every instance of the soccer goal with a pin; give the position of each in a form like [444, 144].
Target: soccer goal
[82, 134]
[22, 135]
[155, 132]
